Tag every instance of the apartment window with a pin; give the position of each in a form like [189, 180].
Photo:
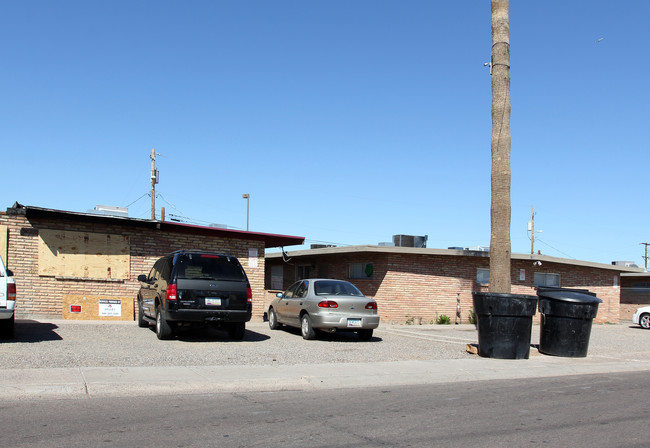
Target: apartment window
[323, 271]
[548, 280]
[277, 277]
[361, 270]
[303, 271]
[482, 276]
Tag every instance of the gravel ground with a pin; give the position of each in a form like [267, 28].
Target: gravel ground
[60, 343]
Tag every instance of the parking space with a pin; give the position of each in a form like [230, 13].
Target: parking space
[60, 343]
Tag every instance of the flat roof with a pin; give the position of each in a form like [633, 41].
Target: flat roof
[269, 239]
[351, 250]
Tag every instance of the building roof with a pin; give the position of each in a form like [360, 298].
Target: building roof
[270, 240]
[365, 249]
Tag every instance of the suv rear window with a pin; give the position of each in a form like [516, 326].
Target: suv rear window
[208, 267]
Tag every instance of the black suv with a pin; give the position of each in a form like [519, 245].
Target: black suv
[194, 287]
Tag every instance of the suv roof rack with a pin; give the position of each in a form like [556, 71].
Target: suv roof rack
[201, 251]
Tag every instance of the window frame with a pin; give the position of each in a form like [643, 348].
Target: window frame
[479, 277]
[363, 268]
[547, 275]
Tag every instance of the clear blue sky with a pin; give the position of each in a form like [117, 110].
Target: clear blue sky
[346, 121]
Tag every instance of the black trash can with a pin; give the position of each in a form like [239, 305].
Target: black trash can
[504, 323]
[567, 315]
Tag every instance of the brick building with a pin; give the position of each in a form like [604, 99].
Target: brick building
[420, 284]
[61, 257]
[635, 292]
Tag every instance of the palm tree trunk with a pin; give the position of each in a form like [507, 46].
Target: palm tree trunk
[500, 281]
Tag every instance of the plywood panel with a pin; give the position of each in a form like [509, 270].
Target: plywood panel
[83, 255]
[97, 307]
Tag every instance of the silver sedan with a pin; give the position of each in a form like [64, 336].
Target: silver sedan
[324, 304]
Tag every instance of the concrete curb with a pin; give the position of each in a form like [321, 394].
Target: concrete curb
[96, 382]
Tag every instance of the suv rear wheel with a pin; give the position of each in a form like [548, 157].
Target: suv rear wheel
[236, 331]
[163, 330]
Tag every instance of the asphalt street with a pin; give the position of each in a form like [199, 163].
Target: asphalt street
[602, 410]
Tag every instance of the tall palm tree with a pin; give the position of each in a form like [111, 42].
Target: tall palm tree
[500, 208]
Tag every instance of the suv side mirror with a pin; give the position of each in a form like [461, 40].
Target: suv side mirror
[279, 295]
[142, 278]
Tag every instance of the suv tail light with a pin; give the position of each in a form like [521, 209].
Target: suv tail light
[328, 304]
[172, 292]
[249, 295]
[371, 306]
[11, 291]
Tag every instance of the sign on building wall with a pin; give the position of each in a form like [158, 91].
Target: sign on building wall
[63, 253]
[252, 258]
[110, 307]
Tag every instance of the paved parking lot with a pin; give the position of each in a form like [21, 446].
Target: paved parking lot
[61, 343]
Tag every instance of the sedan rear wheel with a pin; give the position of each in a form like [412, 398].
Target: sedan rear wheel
[364, 335]
[306, 328]
[644, 321]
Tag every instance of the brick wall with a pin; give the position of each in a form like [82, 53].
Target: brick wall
[39, 295]
[420, 288]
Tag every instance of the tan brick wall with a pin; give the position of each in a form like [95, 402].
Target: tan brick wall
[420, 288]
[38, 295]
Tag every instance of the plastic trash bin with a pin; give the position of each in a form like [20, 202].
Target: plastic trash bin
[504, 323]
[567, 315]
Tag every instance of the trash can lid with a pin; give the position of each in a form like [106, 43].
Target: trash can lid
[569, 296]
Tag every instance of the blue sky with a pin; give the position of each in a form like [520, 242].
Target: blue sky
[346, 121]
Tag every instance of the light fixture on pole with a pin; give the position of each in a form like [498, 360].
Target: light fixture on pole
[247, 197]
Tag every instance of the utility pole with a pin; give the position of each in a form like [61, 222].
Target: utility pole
[154, 181]
[532, 234]
[248, 198]
[646, 254]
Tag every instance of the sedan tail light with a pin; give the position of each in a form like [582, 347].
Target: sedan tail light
[371, 306]
[172, 292]
[328, 304]
[11, 291]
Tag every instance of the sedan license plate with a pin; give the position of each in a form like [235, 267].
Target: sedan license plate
[354, 322]
[213, 301]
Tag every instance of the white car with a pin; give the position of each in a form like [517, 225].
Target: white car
[7, 302]
[642, 317]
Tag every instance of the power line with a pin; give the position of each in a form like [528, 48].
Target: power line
[558, 250]
[146, 194]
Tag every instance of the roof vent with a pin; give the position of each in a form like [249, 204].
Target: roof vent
[111, 210]
[627, 264]
[410, 240]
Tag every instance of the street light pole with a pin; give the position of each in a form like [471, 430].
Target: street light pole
[247, 197]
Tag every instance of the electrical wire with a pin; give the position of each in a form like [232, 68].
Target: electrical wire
[558, 250]
[146, 194]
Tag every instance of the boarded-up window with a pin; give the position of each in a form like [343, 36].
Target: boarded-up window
[83, 255]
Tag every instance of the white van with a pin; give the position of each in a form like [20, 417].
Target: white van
[7, 302]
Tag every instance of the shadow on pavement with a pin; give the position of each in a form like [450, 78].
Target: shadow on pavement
[208, 334]
[33, 331]
[337, 336]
